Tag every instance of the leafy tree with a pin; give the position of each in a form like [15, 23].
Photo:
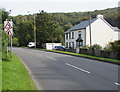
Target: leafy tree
[4, 14]
[3, 35]
[25, 32]
[96, 46]
[67, 26]
[15, 41]
[47, 29]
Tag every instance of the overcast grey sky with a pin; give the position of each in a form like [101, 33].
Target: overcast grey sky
[33, 6]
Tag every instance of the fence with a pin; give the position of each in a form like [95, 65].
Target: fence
[98, 53]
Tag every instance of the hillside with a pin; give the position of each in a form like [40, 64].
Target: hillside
[51, 26]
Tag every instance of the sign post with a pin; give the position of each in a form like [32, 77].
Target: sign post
[8, 28]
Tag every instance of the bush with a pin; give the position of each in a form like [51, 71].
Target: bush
[114, 47]
[15, 41]
[96, 46]
[4, 46]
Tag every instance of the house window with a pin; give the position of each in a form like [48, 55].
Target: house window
[69, 44]
[72, 35]
[66, 44]
[69, 35]
[66, 35]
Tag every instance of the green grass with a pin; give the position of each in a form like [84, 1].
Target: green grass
[83, 55]
[0, 75]
[15, 76]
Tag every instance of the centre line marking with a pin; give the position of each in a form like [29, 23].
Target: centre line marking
[78, 68]
[52, 58]
[117, 84]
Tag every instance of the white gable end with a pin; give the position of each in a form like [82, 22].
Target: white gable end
[101, 33]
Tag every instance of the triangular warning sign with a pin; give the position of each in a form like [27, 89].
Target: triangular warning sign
[8, 25]
[8, 32]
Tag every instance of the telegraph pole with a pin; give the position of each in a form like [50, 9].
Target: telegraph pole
[90, 30]
[35, 29]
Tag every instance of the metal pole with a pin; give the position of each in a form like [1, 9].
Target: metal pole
[35, 30]
[90, 32]
[7, 46]
[11, 46]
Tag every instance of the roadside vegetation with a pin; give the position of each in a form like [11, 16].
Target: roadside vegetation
[0, 75]
[15, 76]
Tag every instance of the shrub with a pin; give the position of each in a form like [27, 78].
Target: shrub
[96, 46]
[15, 41]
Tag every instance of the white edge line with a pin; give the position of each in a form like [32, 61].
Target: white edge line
[78, 68]
[117, 84]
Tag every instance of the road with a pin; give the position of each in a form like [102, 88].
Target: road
[53, 71]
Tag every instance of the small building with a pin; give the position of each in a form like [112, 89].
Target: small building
[90, 32]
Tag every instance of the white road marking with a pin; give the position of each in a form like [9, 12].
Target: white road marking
[52, 58]
[78, 68]
[117, 84]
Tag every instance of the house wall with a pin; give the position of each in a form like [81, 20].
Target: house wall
[117, 35]
[101, 33]
[70, 40]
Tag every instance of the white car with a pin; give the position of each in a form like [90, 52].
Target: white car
[31, 44]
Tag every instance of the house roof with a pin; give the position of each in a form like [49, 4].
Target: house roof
[81, 25]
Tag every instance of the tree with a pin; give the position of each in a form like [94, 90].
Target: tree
[25, 32]
[4, 14]
[3, 36]
[15, 41]
[96, 46]
[47, 29]
[67, 26]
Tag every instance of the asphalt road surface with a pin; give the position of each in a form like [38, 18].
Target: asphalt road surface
[53, 71]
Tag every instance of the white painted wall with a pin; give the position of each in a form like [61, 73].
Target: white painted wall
[117, 35]
[101, 33]
[76, 37]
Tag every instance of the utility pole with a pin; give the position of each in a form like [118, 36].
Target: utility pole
[35, 29]
[90, 30]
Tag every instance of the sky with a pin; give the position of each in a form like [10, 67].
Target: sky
[52, 6]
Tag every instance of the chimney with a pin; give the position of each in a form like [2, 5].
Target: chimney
[99, 16]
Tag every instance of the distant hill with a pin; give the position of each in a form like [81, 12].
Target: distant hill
[61, 22]
[68, 19]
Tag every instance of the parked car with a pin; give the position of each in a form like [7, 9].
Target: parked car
[31, 44]
[59, 48]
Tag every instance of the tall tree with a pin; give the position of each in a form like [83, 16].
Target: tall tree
[25, 33]
[47, 29]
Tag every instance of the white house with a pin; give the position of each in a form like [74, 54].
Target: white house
[90, 32]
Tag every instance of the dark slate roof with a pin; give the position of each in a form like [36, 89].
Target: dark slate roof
[81, 25]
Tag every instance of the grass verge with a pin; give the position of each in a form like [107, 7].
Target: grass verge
[86, 56]
[0, 75]
[15, 76]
